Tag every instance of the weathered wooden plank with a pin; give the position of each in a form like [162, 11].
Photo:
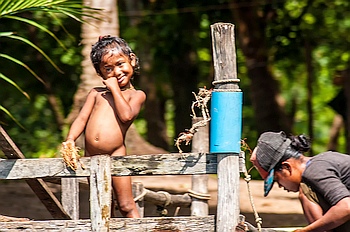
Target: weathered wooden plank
[38, 186]
[70, 196]
[100, 193]
[161, 164]
[178, 224]
[37, 168]
[158, 164]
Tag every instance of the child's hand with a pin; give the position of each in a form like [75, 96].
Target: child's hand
[69, 143]
[111, 83]
[70, 154]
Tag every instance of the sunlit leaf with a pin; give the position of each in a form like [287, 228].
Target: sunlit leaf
[37, 25]
[2, 76]
[11, 116]
[23, 65]
[71, 8]
[4, 34]
[36, 48]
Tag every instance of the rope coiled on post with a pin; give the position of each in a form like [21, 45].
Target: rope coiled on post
[197, 195]
[227, 81]
[167, 197]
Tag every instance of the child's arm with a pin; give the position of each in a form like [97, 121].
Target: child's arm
[126, 109]
[79, 123]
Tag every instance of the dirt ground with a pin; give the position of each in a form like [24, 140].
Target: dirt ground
[279, 209]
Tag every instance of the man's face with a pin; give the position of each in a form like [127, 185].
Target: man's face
[287, 177]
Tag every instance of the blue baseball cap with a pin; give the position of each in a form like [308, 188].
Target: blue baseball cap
[270, 151]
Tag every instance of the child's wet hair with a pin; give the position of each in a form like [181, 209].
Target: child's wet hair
[106, 44]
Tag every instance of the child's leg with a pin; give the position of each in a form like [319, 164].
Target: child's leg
[123, 192]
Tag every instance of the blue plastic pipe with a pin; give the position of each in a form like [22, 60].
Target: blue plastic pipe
[226, 122]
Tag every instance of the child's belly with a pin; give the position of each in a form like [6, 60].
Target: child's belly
[103, 134]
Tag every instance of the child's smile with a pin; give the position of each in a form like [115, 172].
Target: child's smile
[118, 66]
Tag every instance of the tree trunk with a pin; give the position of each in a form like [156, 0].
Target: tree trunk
[346, 76]
[154, 114]
[267, 102]
[183, 68]
[105, 24]
[334, 132]
[310, 81]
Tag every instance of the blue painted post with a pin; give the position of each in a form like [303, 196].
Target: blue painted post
[226, 125]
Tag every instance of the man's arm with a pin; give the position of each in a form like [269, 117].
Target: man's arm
[335, 216]
[312, 211]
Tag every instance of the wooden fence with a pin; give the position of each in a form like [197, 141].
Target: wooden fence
[100, 169]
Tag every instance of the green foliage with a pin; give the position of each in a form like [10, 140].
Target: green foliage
[8, 10]
[40, 138]
[29, 25]
[159, 36]
[296, 23]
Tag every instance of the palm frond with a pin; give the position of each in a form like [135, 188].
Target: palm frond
[9, 7]
[58, 20]
[2, 76]
[36, 48]
[70, 8]
[11, 116]
[35, 24]
[5, 34]
[23, 65]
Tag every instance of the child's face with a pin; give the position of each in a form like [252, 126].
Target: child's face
[117, 65]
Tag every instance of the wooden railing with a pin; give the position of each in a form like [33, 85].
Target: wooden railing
[99, 169]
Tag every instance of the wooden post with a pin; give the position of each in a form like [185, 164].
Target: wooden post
[200, 143]
[137, 190]
[100, 192]
[70, 196]
[226, 125]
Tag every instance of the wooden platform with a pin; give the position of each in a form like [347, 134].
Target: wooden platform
[154, 224]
